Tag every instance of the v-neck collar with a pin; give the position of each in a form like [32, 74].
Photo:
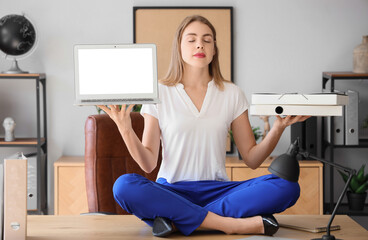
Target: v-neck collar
[189, 102]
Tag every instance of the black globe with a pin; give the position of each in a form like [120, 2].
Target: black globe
[17, 35]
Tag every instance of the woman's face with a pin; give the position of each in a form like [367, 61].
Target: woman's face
[197, 45]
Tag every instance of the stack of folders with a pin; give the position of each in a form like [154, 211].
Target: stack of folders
[311, 104]
[13, 197]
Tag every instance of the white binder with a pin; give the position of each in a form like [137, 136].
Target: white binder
[15, 198]
[306, 110]
[300, 99]
[1, 200]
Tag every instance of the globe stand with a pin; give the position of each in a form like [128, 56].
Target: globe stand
[14, 69]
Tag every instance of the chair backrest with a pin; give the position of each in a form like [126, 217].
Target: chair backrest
[107, 158]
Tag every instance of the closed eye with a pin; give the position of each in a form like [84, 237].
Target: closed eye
[207, 39]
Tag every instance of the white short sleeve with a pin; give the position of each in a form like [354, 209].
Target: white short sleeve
[241, 103]
[150, 109]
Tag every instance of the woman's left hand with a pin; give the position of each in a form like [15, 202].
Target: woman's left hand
[289, 120]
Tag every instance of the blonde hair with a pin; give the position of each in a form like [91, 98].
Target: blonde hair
[176, 68]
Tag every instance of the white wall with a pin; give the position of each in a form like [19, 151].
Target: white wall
[279, 46]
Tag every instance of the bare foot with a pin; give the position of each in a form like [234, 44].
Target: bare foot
[229, 225]
[247, 226]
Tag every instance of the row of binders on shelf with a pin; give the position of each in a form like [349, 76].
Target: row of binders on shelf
[312, 104]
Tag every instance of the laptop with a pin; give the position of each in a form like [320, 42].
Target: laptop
[115, 74]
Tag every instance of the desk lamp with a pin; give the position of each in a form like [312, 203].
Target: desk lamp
[286, 166]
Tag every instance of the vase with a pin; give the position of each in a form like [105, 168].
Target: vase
[360, 64]
[356, 200]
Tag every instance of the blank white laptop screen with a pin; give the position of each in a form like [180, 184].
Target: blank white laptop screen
[115, 74]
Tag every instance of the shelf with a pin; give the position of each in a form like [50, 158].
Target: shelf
[344, 209]
[363, 143]
[344, 75]
[21, 142]
[326, 76]
[23, 76]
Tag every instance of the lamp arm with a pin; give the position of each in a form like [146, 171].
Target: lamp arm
[339, 201]
[346, 169]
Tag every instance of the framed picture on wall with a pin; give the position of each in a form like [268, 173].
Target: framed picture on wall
[158, 25]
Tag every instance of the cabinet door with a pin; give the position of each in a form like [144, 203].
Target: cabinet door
[71, 196]
[310, 185]
[310, 195]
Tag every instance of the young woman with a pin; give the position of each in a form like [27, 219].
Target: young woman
[198, 107]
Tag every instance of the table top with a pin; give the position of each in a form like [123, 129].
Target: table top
[231, 161]
[93, 227]
[345, 74]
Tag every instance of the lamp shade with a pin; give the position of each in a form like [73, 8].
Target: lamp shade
[286, 166]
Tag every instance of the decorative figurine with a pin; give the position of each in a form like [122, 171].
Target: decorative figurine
[266, 125]
[9, 125]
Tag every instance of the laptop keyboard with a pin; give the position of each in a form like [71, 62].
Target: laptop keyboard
[119, 100]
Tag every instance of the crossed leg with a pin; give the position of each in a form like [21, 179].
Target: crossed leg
[234, 212]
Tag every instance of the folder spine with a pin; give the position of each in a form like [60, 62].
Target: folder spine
[1, 200]
[338, 133]
[311, 135]
[15, 199]
[351, 119]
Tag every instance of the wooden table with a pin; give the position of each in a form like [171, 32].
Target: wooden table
[93, 227]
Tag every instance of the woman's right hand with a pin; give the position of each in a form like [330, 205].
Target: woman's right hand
[120, 116]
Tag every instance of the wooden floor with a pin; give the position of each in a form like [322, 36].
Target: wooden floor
[95, 227]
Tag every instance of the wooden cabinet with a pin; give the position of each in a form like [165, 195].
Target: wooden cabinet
[70, 187]
[310, 181]
[71, 196]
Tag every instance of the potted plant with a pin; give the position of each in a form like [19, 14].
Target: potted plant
[357, 189]
[257, 134]
[365, 122]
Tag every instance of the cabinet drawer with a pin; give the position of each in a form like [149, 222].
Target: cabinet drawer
[70, 186]
[241, 174]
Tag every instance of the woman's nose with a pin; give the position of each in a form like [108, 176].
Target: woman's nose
[199, 45]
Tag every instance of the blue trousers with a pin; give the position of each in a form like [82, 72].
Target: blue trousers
[187, 203]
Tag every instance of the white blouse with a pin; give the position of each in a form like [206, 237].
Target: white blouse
[194, 142]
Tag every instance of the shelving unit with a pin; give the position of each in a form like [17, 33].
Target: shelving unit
[363, 143]
[39, 142]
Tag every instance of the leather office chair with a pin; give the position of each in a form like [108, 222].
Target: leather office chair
[106, 158]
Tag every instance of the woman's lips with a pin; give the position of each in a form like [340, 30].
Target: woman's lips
[200, 55]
